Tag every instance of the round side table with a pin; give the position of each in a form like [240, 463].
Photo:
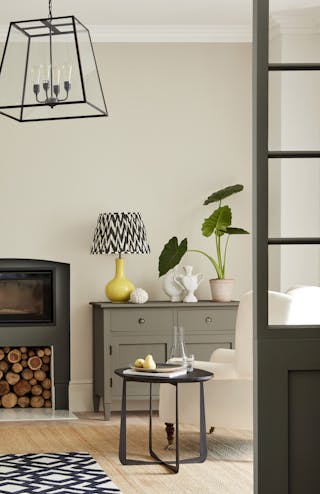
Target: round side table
[196, 376]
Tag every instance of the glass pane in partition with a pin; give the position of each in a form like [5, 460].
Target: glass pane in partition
[295, 270]
[293, 31]
[294, 107]
[294, 198]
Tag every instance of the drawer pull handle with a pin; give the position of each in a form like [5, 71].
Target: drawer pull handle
[208, 320]
[141, 320]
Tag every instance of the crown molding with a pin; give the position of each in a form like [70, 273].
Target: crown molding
[238, 33]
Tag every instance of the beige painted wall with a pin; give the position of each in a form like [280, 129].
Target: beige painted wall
[179, 128]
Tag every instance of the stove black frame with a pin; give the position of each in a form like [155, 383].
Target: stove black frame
[56, 333]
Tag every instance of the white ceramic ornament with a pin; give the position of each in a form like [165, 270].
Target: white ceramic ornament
[138, 296]
[189, 282]
[171, 287]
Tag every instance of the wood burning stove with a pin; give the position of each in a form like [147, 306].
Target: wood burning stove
[35, 312]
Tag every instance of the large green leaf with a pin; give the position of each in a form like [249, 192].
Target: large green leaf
[223, 193]
[218, 222]
[172, 254]
[236, 231]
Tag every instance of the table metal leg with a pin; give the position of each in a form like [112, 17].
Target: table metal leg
[123, 431]
[203, 437]
[173, 466]
[150, 419]
[123, 425]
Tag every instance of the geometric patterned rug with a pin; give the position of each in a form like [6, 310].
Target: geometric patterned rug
[53, 473]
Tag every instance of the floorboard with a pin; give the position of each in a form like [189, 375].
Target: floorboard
[228, 469]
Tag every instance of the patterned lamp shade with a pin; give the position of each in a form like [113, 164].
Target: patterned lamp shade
[120, 233]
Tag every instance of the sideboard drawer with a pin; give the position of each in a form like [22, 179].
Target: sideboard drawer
[150, 320]
[207, 319]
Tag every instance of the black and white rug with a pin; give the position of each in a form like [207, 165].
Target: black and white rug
[53, 473]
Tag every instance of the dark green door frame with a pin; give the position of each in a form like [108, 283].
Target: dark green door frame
[286, 359]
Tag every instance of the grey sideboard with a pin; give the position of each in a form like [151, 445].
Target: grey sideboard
[124, 332]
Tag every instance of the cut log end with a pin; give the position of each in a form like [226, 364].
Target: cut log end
[17, 368]
[12, 378]
[40, 375]
[34, 362]
[14, 356]
[9, 400]
[27, 374]
[36, 390]
[4, 388]
[36, 402]
[24, 401]
[22, 388]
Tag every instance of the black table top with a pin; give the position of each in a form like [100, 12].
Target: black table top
[197, 375]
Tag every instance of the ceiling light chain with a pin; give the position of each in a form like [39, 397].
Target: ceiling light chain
[50, 10]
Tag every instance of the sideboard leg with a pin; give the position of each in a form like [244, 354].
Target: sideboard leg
[107, 411]
[170, 435]
[96, 402]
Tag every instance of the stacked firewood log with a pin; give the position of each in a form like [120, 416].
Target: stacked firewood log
[25, 379]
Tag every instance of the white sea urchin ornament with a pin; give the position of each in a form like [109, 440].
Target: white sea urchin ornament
[138, 296]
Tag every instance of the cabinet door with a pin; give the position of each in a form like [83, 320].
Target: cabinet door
[125, 351]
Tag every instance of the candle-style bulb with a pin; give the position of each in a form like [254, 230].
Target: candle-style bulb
[67, 72]
[45, 72]
[35, 74]
[56, 72]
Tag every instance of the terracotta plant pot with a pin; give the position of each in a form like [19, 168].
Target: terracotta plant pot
[221, 290]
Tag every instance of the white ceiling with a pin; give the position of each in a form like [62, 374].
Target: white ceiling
[134, 11]
[144, 11]
[195, 16]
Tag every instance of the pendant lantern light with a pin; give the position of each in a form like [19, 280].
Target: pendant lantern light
[49, 71]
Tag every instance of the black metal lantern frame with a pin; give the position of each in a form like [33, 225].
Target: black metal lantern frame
[35, 72]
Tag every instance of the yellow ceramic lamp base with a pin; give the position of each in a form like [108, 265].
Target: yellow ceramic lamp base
[119, 289]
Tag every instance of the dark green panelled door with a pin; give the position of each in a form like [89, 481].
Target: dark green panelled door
[286, 359]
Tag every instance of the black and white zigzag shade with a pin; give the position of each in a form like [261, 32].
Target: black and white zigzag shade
[120, 233]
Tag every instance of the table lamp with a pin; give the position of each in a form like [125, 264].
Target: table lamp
[120, 233]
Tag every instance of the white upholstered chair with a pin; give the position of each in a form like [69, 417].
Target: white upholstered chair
[229, 395]
[306, 305]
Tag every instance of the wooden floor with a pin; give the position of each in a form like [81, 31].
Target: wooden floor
[228, 469]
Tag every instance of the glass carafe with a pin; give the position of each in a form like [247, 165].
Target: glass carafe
[178, 351]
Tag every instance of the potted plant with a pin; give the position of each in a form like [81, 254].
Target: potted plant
[217, 224]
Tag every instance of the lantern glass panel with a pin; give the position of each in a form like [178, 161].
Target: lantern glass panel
[94, 94]
[12, 73]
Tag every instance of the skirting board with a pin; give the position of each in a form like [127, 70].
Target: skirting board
[80, 395]
[80, 399]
